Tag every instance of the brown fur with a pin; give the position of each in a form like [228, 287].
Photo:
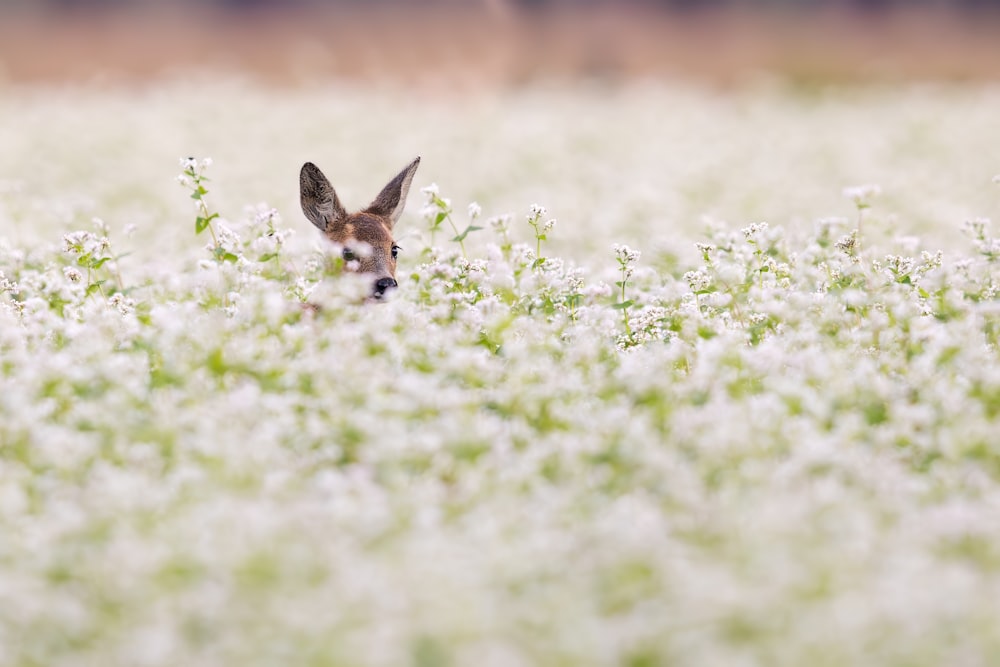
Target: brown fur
[366, 236]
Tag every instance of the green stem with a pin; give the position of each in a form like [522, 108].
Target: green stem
[461, 243]
[628, 328]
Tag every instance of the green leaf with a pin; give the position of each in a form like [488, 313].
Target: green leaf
[461, 237]
[200, 223]
[538, 262]
[623, 305]
[267, 257]
[94, 287]
[99, 263]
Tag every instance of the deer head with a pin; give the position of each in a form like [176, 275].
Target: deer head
[366, 236]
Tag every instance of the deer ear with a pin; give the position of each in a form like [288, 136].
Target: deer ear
[392, 199]
[319, 200]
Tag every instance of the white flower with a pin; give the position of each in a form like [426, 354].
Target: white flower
[862, 195]
[752, 231]
[7, 285]
[121, 303]
[265, 215]
[431, 190]
[625, 254]
[847, 243]
[72, 274]
[698, 280]
[536, 211]
[500, 224]
[977, 227]
[475, 210]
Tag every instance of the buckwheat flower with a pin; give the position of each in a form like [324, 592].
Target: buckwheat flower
[475, 210]
[264, 214]
[698, 280]
[500, 223]
[626, 254]
[74, 241]
[302, 288]
[847, 243]
[996, 179]
[227, 236]
[120, 302]
[549, 224]
[429, 212]
[932, 261]
[751, 232]
[431, 190]
[536, 211]
[862, 195]
[976, 227]
[899, 265]
[7, 285]
[205, 163]
[72, 274]
[188, 163]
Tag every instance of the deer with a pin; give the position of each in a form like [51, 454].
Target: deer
[365, 237]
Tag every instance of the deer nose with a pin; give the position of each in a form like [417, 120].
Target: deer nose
[383, 284]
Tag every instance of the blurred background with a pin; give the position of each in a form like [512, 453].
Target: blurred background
[465, 44]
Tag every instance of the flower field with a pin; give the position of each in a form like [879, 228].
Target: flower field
[673, 377]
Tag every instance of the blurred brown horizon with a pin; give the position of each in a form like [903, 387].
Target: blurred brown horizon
[500, 44]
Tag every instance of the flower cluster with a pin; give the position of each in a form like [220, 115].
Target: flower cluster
[250, 436]
[767, 448]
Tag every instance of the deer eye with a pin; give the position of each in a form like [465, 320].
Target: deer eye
[395, 250]
[348, 255]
